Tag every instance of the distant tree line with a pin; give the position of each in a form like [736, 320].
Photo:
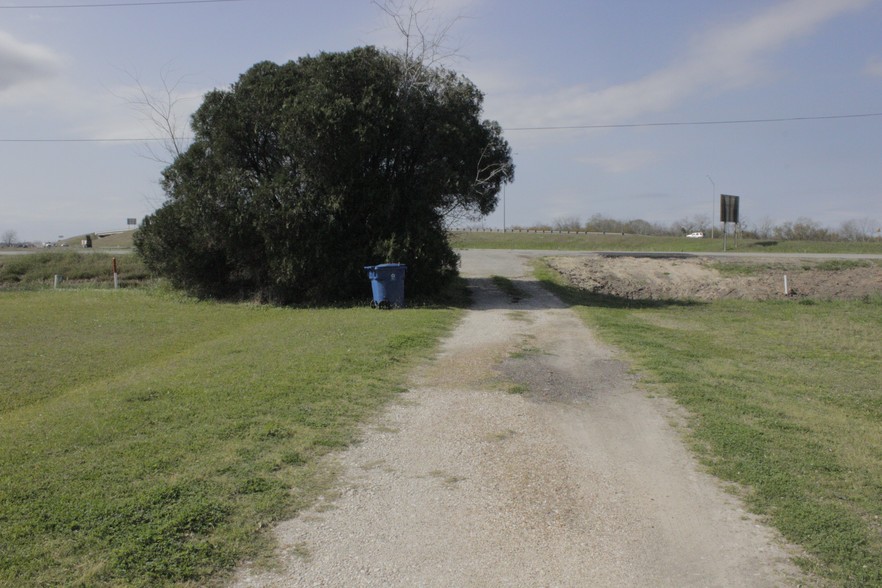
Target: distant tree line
[803, 229]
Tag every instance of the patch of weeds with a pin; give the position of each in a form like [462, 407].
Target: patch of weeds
[838, 265]
[518, 389]
[734, 269]
[739, 269]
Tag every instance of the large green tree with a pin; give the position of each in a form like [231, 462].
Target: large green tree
[302, 173]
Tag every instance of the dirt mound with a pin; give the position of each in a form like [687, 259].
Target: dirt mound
[703, 278]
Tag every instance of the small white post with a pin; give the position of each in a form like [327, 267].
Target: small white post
[57, 281]
[786, 289]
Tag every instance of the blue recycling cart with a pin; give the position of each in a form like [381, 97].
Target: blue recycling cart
[387, 283]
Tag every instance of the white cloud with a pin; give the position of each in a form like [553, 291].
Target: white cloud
[22, 63]
[874, 67]
[727, 57]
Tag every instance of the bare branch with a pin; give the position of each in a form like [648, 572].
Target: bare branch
[488, 173]
[425, 38]
[159, 109]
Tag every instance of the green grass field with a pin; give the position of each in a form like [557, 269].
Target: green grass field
[786, 401]
[149, 439]
[618, 242]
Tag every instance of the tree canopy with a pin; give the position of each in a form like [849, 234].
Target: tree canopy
[300, 174]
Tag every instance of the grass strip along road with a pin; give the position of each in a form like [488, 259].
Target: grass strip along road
[618, 242]
[151, 439]
[785, 399]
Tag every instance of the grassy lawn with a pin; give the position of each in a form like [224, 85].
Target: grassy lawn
[150, 439]
[618, 242]
[786, 400]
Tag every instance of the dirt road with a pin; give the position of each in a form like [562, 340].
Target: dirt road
[524, 455]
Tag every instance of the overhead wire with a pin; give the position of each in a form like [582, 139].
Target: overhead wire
[508, 129]
[694, 123]
[117, 4]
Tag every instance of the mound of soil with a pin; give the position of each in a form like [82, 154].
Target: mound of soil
[703, 278]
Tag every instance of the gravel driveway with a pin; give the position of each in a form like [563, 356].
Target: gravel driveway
[524, 455]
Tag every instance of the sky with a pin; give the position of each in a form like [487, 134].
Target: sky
[625, 108]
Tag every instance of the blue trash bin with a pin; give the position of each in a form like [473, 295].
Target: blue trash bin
[387, 282]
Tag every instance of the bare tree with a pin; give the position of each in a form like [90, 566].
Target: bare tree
[804, 229]
[9, 238]
[567, 223]
[697, 222]
[601, 224]
[857, 229]
[639, 227]
[764, 228]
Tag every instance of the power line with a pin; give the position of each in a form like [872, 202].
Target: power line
[547, 128]
[121, 4]
[694, 123]
[81, 140]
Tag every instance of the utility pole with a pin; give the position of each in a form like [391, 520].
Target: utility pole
[713, 204]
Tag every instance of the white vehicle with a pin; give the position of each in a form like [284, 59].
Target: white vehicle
[696, 235]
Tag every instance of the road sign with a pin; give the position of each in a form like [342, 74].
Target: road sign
[729, 208]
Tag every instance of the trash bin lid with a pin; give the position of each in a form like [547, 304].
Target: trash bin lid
[385, 266]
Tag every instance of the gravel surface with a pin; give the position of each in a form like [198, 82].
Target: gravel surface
[524, 455]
